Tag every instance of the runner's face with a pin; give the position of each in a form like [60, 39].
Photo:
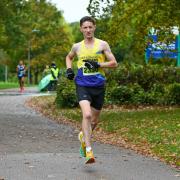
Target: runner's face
[88, 28]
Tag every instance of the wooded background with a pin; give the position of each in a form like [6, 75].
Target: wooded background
[39, 28]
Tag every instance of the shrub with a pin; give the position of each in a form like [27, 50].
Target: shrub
[131, 84]
[125, 94]
[173, 94]
[66, 93]
[155, 94]
[148, 84]
[138, 96]
[121, 95]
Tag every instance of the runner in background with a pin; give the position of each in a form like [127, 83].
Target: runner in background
[21, 71]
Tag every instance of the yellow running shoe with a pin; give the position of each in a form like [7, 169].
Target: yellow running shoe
[90, 157]
[82, 149]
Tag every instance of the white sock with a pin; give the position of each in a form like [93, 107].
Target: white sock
[88, 149]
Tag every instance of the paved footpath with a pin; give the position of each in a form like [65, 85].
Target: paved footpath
[33, 147]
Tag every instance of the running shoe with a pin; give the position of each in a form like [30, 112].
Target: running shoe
[90, 157]
[82, 149]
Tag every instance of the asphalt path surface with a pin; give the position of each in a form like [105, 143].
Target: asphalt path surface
[33, 147]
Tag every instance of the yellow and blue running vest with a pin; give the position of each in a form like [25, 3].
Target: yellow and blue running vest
[86, 77]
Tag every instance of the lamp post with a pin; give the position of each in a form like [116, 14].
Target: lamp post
[29, 56]
[6, 73]
[29, 60]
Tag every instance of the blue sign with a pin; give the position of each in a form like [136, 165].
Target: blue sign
[158, 50]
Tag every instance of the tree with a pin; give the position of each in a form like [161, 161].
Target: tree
[130, 21]
[37, 25]
[77, 35]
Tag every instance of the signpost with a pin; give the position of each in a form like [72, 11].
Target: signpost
[178, 58]
[158, 50]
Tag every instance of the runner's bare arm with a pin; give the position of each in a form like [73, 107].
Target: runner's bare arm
[70, 56]
[110, 57]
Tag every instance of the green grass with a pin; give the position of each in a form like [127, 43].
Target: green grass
[7, 85]
[160, 129]
[156, 128]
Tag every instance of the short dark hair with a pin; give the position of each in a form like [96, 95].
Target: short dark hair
[87, 18]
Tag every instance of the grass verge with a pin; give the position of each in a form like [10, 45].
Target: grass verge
[151, 131]
[8, 85]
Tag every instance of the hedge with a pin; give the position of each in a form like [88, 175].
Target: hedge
[131, 84]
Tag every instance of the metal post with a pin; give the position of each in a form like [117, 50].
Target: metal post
[6, 73]
[178, 56]
[29, 56]
[29, 61]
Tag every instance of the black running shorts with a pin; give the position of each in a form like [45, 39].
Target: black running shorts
[93, 94]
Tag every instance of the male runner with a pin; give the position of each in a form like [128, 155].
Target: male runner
[90, 80]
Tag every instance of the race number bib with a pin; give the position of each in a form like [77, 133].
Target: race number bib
[87, 71]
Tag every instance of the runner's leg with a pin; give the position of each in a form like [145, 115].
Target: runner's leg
[86, 121]
[95, 117]
[86, 127]
[22, 83]
[19, 80]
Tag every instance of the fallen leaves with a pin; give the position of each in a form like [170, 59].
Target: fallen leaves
[121, 136]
